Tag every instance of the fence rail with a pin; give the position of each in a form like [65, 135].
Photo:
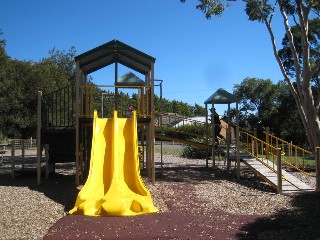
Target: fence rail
[27, 144]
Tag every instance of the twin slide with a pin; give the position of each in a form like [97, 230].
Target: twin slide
[114, 186]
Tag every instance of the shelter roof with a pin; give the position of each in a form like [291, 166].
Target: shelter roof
[221, 96]
[130, 79]
[115, 51]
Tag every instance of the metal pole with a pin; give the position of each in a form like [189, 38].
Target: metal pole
[102, 105]
[279, 170]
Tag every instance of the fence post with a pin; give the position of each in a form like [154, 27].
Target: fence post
[268, 142]
[279, 170]
[317, 168]
[255, 148]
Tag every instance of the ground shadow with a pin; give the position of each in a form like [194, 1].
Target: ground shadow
[58, 187]
[300, 223]
[196, 174]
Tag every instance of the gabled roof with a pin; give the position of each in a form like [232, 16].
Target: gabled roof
[129, 79]
[221, 96]
[115, 51]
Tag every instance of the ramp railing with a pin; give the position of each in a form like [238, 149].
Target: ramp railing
[262, 151]
[293, 156]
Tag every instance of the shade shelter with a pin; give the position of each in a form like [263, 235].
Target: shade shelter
[115, 52]
[221, 96]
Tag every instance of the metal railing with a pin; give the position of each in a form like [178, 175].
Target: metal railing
[291, 155]
[264, 152]
[58, 108]
[90, 96]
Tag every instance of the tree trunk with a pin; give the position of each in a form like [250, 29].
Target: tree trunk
[306, 105]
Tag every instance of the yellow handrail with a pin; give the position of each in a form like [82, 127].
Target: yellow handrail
[294, 156]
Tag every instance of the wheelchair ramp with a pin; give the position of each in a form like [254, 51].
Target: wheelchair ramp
[290, 184]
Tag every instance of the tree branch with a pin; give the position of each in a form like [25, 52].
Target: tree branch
[292, 47]
[303, 12]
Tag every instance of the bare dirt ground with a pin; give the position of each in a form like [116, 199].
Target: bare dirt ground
[194, 203]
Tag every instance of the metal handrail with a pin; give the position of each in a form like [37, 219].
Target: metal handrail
[57, 109]
[294, 156]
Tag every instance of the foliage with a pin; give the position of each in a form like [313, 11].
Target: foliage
[195, 153]
[305, 65]
[257, 101]
[19, 83]
[265, 104]
[313, 37]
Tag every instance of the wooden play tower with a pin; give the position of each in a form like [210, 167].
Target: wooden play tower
[65, 117]
[114, 52]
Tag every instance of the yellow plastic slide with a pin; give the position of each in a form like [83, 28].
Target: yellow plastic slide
[114, 186]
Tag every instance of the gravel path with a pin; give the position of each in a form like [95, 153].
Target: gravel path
[194, 203]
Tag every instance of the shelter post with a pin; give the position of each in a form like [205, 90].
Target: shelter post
[237, 141]
[207, 137]
[228, 139]
[213, 137]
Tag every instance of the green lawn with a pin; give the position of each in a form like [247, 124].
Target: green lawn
[169, 148]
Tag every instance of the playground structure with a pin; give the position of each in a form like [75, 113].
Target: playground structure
[67, 114]
[114, 186]
[67, 127]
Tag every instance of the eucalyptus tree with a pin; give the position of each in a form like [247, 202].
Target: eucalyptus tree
[293, 12]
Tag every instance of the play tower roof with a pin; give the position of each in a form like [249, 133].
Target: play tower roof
[115, 51]
[221, 96]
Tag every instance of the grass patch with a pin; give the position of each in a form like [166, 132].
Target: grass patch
[173, 149]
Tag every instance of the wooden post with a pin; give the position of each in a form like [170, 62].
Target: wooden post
[13, 158]
[237, 142]
[77, 108]
[207, 137]
[39, 139]
[317, 153]
[256, 142]
[46, 154]
[279, 170]
[228, 139]
[213, 137]
[268, 142]
[23, 152]
[152, 129]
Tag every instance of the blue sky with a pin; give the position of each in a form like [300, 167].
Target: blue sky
[194, 56]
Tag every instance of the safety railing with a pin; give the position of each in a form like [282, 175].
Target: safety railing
[264, 152]
[95, 97]
[293, 156]
[57, 110]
